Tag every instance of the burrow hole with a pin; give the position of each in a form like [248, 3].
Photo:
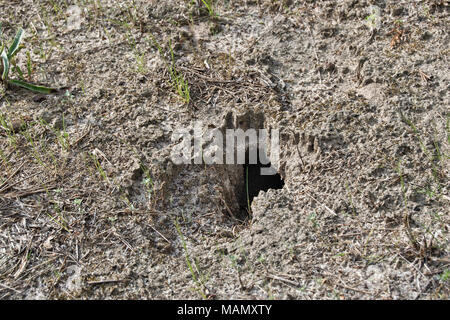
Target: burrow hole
[255, 181]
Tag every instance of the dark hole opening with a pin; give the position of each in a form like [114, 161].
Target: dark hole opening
[255, 182]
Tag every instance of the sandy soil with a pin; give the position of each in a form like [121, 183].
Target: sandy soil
[93, 207]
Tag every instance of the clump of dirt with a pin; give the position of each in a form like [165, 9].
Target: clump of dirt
[93, 206]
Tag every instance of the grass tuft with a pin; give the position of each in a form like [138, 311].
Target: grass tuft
[178, 81]
[210, 7]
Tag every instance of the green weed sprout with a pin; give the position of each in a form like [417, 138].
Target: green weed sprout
[209, 5]
[9, 64]
[177, 79]
[179, 83]
[373, 20]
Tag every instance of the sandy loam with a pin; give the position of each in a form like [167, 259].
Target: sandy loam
[90, 199]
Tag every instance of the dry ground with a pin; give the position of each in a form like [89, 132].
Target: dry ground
[92, 207]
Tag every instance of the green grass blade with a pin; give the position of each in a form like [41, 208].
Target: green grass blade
[16, 43]
[32, 87]
[16, 52]
[19, 72]
[5, 61]
[29, 65]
